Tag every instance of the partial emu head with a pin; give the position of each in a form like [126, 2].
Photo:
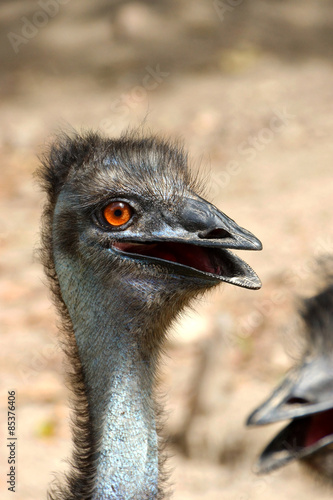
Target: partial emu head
[127, 243]
[305, 397]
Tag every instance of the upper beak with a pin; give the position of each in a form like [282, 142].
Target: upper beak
[203, 222]
[305, 390]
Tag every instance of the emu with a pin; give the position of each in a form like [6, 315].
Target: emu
[127, 243]
[305, 396]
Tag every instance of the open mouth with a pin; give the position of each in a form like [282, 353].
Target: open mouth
[320, 426]
[214, 263]
[301, 438]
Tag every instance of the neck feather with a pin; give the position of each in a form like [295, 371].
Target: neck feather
[118, 342]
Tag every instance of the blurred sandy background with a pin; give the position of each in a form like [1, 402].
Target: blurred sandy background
[248, 86]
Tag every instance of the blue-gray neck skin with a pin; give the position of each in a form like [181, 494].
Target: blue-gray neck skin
[118, 351]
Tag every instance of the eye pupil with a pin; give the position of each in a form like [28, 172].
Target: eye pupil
[117, 213]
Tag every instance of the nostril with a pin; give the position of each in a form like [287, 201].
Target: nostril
[217, 233]
[297, 401]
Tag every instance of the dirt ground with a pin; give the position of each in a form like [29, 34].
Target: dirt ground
[248, 86]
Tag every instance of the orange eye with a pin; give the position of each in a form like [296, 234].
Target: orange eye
[117, 213]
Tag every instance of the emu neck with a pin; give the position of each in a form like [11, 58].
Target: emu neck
[111, 331]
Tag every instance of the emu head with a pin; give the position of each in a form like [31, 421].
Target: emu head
[130, 207]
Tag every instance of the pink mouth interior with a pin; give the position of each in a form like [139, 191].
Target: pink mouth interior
[200, 258]
[320, 426]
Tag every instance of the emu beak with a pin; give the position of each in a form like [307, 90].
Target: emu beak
[193, 241]
[306, 397]
[203, 225]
